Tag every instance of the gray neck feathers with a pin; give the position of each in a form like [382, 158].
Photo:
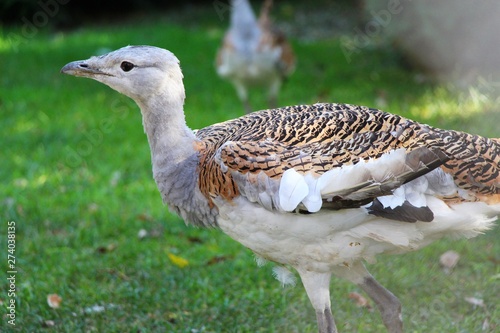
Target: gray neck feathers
[175, 160]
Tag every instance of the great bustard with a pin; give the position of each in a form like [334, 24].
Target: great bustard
[317, 187]
[254, 53]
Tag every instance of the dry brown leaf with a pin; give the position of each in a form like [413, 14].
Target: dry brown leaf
[54, 301]
[196, 240]
[494, 260]
[217, 259]
[144, 217]
[172, 317]
[360, 300]
[449, 260]
[105, 249]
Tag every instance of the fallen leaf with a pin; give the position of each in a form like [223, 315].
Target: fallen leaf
[115, 272]
[144, 217]
[178, 261]
[54, 301]
[109, 248]
[194, 239]
[172, 317]
[494, 260]
[449, 260]
[475, 301]
[217, 259]
[359, 300]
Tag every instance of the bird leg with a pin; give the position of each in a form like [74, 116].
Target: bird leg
[317, 286]
[273, 93]
[272, 102]
[388, 304]
[242, 92]
[247, 106]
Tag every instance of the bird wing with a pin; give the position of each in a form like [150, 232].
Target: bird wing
[287, 178]
[334, 156]
[321, 156]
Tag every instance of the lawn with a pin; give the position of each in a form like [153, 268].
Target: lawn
[91, 228]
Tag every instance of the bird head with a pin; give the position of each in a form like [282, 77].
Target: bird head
[138, 72]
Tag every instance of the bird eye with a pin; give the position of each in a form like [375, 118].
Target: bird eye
[126, 66]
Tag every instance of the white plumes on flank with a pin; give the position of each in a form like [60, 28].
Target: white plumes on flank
[283, 275]
[374, 171]
[311, 191]
[313, 199]
[293, 189]
[260, 260]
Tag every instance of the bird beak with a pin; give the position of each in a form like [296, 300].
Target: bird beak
[82, 68]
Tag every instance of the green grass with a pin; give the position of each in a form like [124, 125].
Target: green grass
[76, 179]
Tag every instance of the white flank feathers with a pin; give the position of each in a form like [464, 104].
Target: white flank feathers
[310, 190]
[293, 189]
[313, 200]
[283, 275]
[372, 171]
[260, 260]
[396, 199]
[414, 191]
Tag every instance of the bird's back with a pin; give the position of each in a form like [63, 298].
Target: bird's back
[315, 139]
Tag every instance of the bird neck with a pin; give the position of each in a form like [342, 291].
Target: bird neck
[170, 140]
[174, 159]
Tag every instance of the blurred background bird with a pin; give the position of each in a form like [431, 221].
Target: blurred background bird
[254, 53]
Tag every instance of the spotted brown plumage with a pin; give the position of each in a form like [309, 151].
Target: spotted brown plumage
[476, 162]
[317, 188]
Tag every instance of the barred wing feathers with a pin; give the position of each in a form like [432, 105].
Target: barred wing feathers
[333, 156]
